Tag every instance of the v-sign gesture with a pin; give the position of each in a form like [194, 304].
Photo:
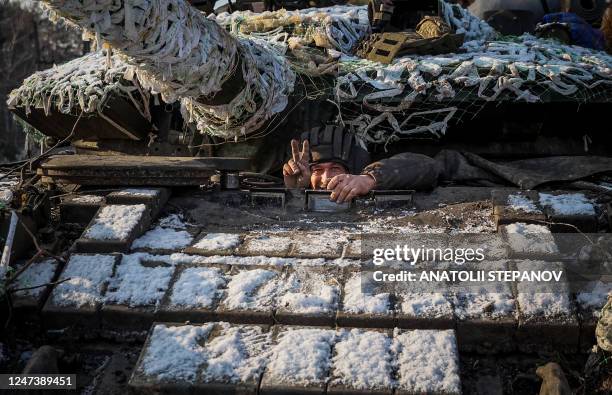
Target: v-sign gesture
[296, 172]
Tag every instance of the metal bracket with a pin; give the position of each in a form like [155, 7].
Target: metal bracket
[268, 197]
[393, 199]
[318, 201]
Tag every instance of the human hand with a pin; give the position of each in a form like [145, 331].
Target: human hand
[296, 172]
[345, 187]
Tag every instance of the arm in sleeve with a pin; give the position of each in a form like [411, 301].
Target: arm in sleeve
[405, 171]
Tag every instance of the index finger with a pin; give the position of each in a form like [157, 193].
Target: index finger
[305, 150]
[295, 150]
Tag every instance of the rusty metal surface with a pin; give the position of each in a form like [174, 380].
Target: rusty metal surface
[135, 170]
[135, 126]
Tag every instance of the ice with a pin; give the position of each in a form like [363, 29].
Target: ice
[198, 287]
[363, 360]
[428, 362]
[163, 239]
[568, 204]
[88, 275]
[174, 353]
[115, 222]
[301, 357]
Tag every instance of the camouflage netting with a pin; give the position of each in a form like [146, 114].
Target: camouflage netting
[413, 95]
[180, 54]
[81, 85]
[603, 331]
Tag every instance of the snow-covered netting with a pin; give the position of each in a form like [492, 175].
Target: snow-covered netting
[82, 85]
[181, 54]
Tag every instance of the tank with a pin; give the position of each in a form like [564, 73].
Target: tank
[243, 84]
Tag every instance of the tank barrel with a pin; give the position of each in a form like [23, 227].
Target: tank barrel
[227, 87]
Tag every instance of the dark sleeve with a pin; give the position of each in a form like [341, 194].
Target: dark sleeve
[405, 171]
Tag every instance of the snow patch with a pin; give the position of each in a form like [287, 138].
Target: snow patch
[359, 299]
[174, 353]
[237, 354]
[523, 203]
[38, 273]
[568, 204]
[319, 243]
[163, 239]
[87, 199]
[173, 221]
[138, 192]
[252, 290]
[428, 362]
[137, 285]
[596, 298]
[218, 241]
[530, 239]
[88, 275]
[115, 222]
[267, 244]
[198, 287]
[429, 305]
[542, 300]
[309, 292]
[363, 360]
[301, 357]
